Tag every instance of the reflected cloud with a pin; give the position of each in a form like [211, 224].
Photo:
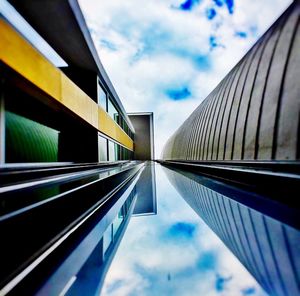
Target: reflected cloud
[221, 282]
[174, 253]
[266, 244]
[182, 229]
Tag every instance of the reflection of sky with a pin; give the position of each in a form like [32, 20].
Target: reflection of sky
[175, 253]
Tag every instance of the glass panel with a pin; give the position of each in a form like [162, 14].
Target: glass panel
[111, 151]
[102, 148]
[102, 97]
[117, 222]
[123, 123]
[112, 111]
[107, 238]
[125, 127]
[117, 149]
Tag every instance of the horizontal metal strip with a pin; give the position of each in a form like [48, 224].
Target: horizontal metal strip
[65, 235]
[17, 190]
[279, 185]
[292, 167]
[16, 174]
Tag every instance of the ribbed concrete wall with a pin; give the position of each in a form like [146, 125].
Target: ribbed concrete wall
[268, 248]
[253, 114]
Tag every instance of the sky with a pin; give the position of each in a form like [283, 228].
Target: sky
[166, 56]
[175, 253]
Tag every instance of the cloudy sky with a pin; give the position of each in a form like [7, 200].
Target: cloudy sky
[166, 56]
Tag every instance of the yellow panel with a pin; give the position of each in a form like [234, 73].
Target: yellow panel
[23, 58]
[110, 128]
[19, 55]
[77, 101]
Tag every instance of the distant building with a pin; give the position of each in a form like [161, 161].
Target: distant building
[144, 135]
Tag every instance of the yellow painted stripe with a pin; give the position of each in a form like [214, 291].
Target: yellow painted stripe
[22, 57]
[107, 126]
[28, 62]
[78, 101]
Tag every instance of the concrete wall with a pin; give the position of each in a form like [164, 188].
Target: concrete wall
[253, 114]
[143, 137]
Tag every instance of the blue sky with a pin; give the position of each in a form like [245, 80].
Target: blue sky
[166, 56]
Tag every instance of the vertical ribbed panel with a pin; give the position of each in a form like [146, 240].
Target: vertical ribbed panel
[253, 114]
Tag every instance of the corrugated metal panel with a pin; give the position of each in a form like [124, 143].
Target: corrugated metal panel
[253, 114]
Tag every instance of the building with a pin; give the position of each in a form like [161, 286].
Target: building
[66, 141]
[247, 130]
[71, 113]
[246, 133]
[252, 114]
[144, 135]
[72, 161]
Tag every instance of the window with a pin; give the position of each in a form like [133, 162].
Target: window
[111, 151]
[117, 222]
[102, 97]
[102, 148]
[126, 129]
[107, 238]
[112, 111]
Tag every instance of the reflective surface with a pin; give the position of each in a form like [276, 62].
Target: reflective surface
[14, 201]
[184, 235]
[176, 253]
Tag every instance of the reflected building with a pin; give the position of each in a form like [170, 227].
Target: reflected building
[262, 234]
[85, 266]
[146, 191]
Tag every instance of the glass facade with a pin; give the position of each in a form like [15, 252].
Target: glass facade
[111, 151]
[112, 111]
[102, 97]
[107, 239]
[105, 102]
[118, 221]
[102, 148]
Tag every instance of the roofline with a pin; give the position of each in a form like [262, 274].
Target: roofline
[70, 11]
[140, 113]
[103, 77]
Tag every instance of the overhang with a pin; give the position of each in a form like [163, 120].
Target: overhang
[62, 24]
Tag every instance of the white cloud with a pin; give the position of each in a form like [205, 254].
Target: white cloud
[149, 46]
